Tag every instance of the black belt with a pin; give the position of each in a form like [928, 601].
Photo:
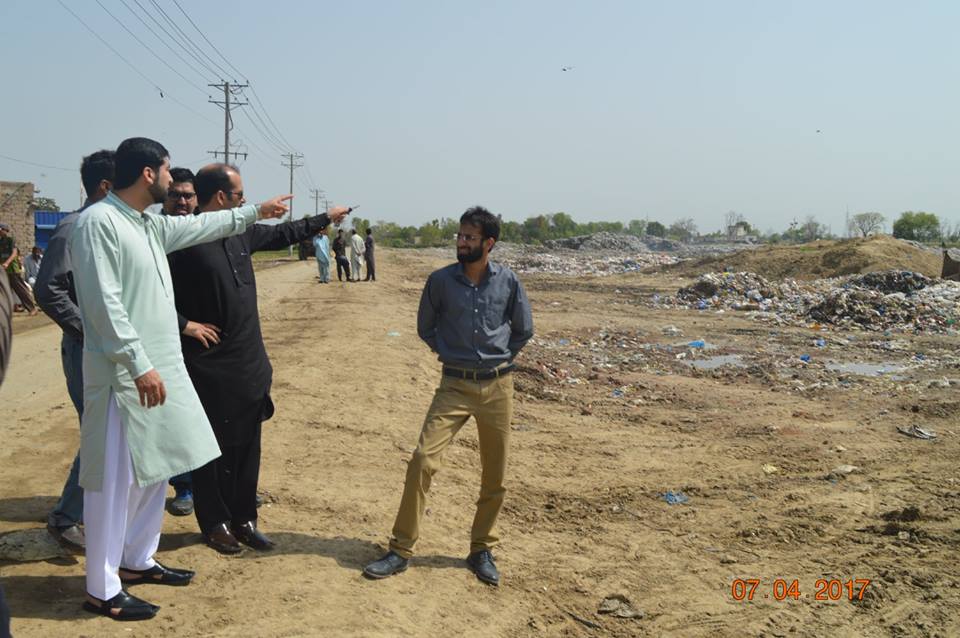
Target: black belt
[478, 375]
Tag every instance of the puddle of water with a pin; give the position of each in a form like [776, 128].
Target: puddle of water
[711, 363]
[867, 369]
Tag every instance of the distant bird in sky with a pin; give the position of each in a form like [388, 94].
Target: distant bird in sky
[818, 130]
[566, 68]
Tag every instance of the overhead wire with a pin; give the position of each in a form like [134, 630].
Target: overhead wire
[164, 42]
[204, 36]
[132, 66]
[176, 26]
[20, 161]
[152, 52]
[185, 46]
[270, 127]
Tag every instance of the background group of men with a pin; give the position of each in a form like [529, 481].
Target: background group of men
[164, 360]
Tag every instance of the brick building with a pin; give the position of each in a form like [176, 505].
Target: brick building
[16, 210]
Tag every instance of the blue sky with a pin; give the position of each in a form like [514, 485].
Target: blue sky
[417, 110]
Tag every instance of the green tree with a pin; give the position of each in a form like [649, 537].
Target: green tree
[637, 227]
[866, 224]
[656, 229]
[360, 225]
[918, 226]
[45, 203]
[683, 229]
[536, 229]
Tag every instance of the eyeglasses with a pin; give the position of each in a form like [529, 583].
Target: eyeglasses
[468, 238]
[239, 194]
[175, 195]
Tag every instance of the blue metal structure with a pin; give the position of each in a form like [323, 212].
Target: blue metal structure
[44, 221]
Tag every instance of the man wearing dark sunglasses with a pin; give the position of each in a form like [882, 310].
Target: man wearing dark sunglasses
[214, 284]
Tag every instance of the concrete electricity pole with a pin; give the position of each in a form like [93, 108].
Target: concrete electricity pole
[292, 163]
[227, 118]
[316, 192]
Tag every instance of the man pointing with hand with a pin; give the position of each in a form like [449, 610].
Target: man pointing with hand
[142, 420]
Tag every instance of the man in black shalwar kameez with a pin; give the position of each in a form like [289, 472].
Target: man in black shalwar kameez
[214, 284]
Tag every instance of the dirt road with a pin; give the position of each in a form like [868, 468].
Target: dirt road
[598, 440]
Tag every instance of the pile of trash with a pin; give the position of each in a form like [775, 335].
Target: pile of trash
[878, 301]
[530, 259]
[615, 242]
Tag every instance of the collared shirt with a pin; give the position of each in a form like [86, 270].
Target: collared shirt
[474, 326]
[368, 245]
[54, 287]
[215, 283]
[126, 303]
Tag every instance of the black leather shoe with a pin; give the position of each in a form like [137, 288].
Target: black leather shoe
[481, 564]
[123, 606]
[248, 534]
[391, 563]
[222, 539]
[157, 575]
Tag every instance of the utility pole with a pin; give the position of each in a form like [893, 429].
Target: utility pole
[292, 163]
[227, 104]
[315, 193]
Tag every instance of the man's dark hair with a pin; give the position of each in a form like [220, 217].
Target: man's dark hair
[211, 179]
[487, 221]
[180, 174]
[369, 231]
[95, 168]
[135, 154]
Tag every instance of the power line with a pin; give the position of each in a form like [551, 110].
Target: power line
[175, 38]
[144, 45]
[267, 128]
[58, 168]
[163, 41]
[187, 38]
[203, 35]
[278, 149]
[265, 112]
[131, 65]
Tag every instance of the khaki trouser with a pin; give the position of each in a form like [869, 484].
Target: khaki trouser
[455, 401]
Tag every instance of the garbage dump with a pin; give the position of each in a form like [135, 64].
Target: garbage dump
[888, 300]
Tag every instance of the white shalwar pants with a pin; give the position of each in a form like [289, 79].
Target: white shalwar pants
[122, 520]
[355, 267]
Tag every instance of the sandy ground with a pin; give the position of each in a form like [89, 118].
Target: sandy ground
[591, 460]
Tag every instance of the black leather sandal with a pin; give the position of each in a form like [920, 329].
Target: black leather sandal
[156, 575]
[123, 606]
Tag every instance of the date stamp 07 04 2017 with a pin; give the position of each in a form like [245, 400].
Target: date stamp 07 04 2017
[747, 589]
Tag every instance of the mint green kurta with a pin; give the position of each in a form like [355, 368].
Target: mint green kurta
[130, 327]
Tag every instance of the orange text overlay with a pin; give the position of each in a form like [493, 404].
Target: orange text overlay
[746, 589]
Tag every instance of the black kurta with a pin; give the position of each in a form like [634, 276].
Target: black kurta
[214, 283]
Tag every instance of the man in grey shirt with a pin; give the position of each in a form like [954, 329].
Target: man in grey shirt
[476, 316]
[57, 297]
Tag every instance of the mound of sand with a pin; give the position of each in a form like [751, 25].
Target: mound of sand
[822, 259]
